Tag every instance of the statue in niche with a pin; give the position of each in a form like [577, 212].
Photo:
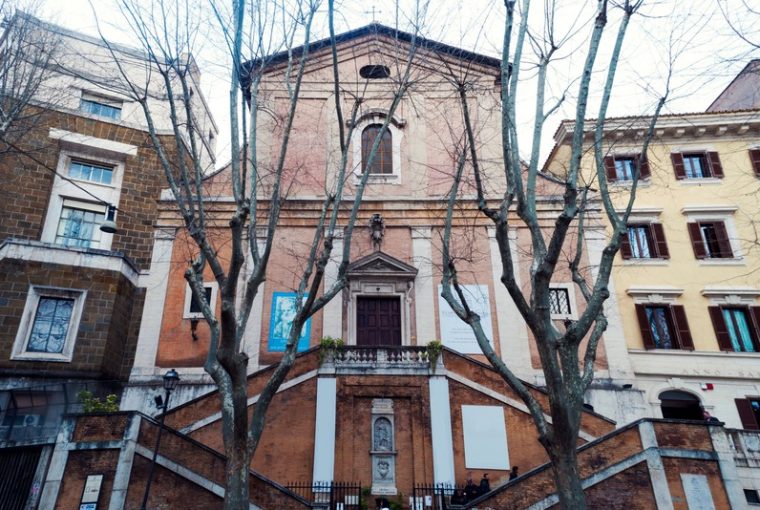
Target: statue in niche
[383, 435]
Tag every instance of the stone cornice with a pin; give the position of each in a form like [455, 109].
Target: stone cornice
[707, 126]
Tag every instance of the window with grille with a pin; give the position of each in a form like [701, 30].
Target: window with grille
[559, 301]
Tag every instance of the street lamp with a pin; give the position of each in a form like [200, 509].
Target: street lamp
[109, 225]
[171, 379]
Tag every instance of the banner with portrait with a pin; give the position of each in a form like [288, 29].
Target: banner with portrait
[281, 321]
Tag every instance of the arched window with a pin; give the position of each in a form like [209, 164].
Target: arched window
[382, 163]
[680, 405]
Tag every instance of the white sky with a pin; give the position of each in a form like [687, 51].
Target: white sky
[706, 53]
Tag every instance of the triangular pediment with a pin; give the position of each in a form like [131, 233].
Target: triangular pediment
[384, 45]
[380, 264]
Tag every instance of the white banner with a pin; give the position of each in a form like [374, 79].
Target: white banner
[456, 333]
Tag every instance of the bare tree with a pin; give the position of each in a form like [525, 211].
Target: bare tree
[27, 55]
[567, 369]
[269, 47]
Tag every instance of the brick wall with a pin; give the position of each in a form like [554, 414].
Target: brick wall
[28, 178]
[106, 338]
[353, 433]
[79, 465]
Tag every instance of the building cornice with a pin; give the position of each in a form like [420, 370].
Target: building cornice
[712, 125]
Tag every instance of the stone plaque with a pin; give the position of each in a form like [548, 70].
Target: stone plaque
[697, 490]
[485, 437]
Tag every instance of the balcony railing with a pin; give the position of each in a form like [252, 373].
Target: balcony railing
[402, 357]
[746, 445]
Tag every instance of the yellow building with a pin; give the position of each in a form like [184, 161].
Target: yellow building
[686, 283]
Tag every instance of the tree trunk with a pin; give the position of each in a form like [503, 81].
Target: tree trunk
[567, 479]
[237, 469]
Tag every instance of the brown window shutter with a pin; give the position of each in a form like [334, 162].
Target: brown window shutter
[696, 241]
[721, 331]
[716, 169]
[746, 415]
[682, 326]
[625, 245]
[609, 168]
[643, 164]
[754, 157]
[646, 331]
[677, 159]
[754, 314]
[722, 235]
[658, 233]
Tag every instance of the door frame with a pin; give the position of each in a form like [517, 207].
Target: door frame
[398, 289]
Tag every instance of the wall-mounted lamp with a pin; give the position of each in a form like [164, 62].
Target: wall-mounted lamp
[109, 226]
[194, 329]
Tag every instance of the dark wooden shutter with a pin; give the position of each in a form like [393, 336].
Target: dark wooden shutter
[745, 414]
[677, 159]
[609, 168]
[625, 245]
[754, 157]
[646, 331]
[644, 171]
[722, 237]
[682, 327]
[754, 314]
[721, 331]
[658, 233]
[696, 241]
[716, 169]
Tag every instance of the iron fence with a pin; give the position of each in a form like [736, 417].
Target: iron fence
[332, 495]
[439, 496]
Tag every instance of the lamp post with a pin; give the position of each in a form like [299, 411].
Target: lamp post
[171, 378]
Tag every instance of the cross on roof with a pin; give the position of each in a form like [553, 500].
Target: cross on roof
[373, 12]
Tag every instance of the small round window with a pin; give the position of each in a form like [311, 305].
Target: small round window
[374, 72]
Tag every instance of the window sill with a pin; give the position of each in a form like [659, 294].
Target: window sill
[722, 262]
[665, 352]
[700, 181]
[379, 179]
[92, 183]
[643, 183]
[41, 356]
[646, 262]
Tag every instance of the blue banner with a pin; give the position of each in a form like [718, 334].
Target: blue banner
[281, 320]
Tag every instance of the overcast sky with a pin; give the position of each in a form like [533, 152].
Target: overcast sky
[692, 34]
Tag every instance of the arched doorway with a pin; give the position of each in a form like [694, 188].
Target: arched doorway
[680, 405]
